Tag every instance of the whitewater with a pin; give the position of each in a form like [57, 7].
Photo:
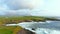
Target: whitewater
[48, 27]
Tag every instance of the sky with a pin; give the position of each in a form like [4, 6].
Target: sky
[30, 7]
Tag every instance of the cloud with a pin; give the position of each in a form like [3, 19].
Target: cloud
[3, 7]
[17, 7]
[15, 12]
[49, 7]
[45, 13]
[23, 4]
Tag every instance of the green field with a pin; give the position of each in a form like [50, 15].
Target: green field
[9, 29]
[5, 31]
[18, 19]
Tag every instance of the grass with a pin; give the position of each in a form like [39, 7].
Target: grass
[5, 31]
[18, 19]
[9, 29]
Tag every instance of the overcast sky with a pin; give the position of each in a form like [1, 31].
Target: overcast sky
[33, 7]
